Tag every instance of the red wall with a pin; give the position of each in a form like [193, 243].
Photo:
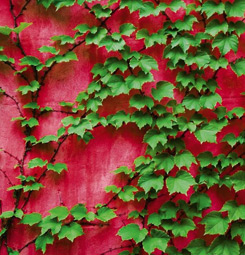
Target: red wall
[89, 165]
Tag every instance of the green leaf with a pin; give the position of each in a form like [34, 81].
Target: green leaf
[202, 200]
[49, 49]
[105, 214]
[153, 137]
[191, 102]
[127, 194]
[132, 5]
[70, 231]
[211, 8]
[157, 240]
[136, 82]
[184, 41]
[146, 63]
[141, 119]
[202, 59]
[164, 161]
[5, 30]
[210, 101]
[61, 3]
[30, 61]
[31, 219]
[230, 139]
[184, 159]
[168, 210]
[61, 212]
[32, 105]
[206, 158]
[163, 89]
[235, 9]
[132, 231]
[209, 177]
[34, 86]
[149, 181]
[34, 186]
[113, 188]
[127, 29]
[63, 39]
[186, 23]
[112, 64]
[238, 228]
[118, 119]
[96, 37]
[49, 223]
[182, 228]
[207, 133]
[42, 241]
[139, 101]
[48, 138]
[238, 180]
[154, 219]
[70, 120]
[58, 167]
[214, 27]
[223, 246]
[180, 183]
[239, 67]
[80, 128]
[197, 246]
[7, 215]
[21, 27]
[79, 211]
[235, 212]
[32, 122]
[123, 169]
[225, 43]
[215, 223]
[37, 162]
[101, 11]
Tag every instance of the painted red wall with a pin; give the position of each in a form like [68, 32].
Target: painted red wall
[89, 165]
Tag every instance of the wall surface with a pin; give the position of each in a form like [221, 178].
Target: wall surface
[89, 166]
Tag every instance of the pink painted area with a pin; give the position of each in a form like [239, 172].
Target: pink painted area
[90, 166]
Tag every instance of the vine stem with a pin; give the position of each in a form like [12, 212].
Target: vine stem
[10, 155]
[117, 248]
[6, 176]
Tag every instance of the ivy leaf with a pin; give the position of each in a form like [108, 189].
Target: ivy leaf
[147, 63]
[235, 9]
[174, 54]
[214, 27]
[168, 210]
[209, 177]
[186, 24]
[184, 41]
[238, 180]
[238, 228]
[207, 133]
[48, 138]
[127, 29]
[114, 63]
[49, 223]
[154, 219]
[32, 105]
[79, 211]
[31, 219]
[118, 119]
[180, 183]
[21, 27]
[191, 102]
[61, 3]
[70, 231]
[149, 181]
[225, 43]
[96, 37]
[223, 246]
[235, 212]
[61, 212]
[42, 241]
[140, 101]
[32, 122]
[101, 11]
[197, 246]
[34, 86]
[215, 223]
[113, 188]
[157, 240]
[206, 158]
[5, 30]
[210, 101]
[30, 61]
[163, 89]
[239, 67]
[202, 200]
[136, 82]
[201, 58]
[182, 228]
[49, 49]
[132, 231]
[153, 137]
[127, 194]
[164, 161]
[132, 5]
[184, 159]
[211, 8]
[141, 119]
[58, 167]
[37, 162]
[105, 214]
[7, 215]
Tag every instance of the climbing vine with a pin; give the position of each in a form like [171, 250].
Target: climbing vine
[195, 47]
